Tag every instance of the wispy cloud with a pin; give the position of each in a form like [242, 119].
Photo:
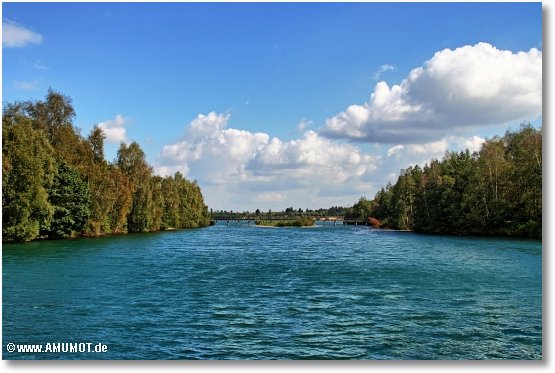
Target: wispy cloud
[304, 124]
[16, 36]
[382, 69]
[270, 197]
[40, 66]
[26, 85]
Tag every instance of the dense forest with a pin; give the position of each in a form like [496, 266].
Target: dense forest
[57, 184]
[497, 191]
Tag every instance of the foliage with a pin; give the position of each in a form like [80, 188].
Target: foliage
[286, 214]
[131, 161]
[497, 191]
[57, 184]
[360, 210]
[70, 197]
[28, 169]
[300, 222]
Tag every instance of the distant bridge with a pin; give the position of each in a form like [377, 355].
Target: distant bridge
[332, 220]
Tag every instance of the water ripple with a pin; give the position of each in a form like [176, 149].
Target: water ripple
[242, 292]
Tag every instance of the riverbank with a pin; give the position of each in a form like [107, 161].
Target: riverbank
[104, 235]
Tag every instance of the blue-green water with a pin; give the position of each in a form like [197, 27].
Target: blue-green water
[243, 292]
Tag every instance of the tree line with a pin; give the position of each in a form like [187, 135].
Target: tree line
[57, 184]
[288, 213]
[496, 191]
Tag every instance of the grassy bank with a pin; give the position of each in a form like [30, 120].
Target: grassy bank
[301, 222]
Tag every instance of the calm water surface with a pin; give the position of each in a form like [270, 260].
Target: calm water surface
[243, 292]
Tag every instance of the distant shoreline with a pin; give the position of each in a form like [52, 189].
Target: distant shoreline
[276, 226]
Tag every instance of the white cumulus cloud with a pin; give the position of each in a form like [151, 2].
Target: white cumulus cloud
[265, 169]
[114, 129]
[214, 153]
[17, 36]
[471, 86]
[473, 143]
[242, 170]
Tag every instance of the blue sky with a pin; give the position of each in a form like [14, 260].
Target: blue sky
[279, 88]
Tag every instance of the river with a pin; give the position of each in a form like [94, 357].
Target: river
[245, 292]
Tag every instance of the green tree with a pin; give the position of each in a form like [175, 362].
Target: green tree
[57, 184]
[402, 201]
[170, 217]
[157, 205]
[96, 141]
[360, 210]
[497, 191]
[192, 210]
[55, 117]
[121, 200]
[28, 169]
[524, 151]
[131, 161]
[494, 170]
[70, 197]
